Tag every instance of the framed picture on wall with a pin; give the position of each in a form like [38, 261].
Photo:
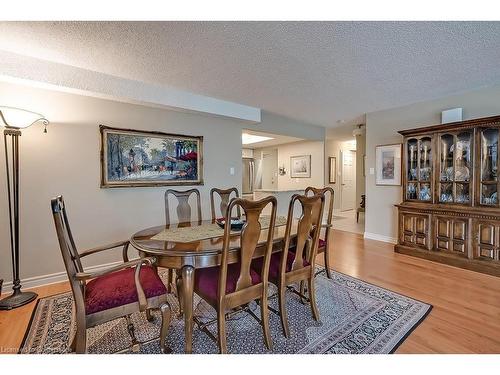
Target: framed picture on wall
[132, 158]
[388, 164]
[333, 169]
[300, 166]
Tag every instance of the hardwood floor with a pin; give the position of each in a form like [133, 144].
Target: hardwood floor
[465, 317]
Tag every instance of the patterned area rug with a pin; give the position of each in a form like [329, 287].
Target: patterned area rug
[356, 317]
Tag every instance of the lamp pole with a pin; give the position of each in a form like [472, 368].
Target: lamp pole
[18, 298]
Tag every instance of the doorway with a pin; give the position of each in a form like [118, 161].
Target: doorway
[348, 186]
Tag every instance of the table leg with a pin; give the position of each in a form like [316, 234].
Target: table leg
[187, 299]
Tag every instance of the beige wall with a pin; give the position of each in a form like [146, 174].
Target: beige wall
[382, 127]
[66, 161]
[285, 151]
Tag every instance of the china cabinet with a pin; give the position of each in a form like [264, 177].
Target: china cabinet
[450, 211]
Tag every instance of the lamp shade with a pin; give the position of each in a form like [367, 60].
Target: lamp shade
[19, 118]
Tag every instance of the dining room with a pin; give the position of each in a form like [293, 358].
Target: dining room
[183, 190]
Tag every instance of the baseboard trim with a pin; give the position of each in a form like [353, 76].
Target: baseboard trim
[379, 237]
[36, 281]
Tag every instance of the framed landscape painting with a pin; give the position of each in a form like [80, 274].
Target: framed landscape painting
[141, 158]
[300, 166]
[388, 164]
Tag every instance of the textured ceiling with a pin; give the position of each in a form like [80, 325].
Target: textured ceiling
[317, 72]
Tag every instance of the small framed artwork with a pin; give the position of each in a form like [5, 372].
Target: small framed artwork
[132, 158]
[388, 164]
[333, 169]
[300, 166]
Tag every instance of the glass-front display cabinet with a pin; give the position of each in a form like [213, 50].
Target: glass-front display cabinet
[450, 211]
[455, 168]
[419, 169]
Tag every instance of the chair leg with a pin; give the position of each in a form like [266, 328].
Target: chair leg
[221, 325]
[357, 216]
[303, 292]
[79, 344]
[169, 280]
[327, 260]
[178, 285]
[131, 331]
[264, 310]
[283, 314]
[150, 317]
[166, 316]
[312, 298]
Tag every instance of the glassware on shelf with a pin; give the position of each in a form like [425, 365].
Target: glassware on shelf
[489, 150]
[446, 193]
[425, 153]
[462, 193]
[489, 194]
[411, 191]
[412, 160]
[462, 157]
[446, 152]
[424, 193]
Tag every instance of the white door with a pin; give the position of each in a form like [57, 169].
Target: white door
[348, 186]
[270, 170]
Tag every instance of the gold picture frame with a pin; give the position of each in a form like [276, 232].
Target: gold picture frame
[332, 162]
[137, 158]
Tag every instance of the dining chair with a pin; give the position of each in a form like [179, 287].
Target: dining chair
[224, 196]
[324, 244]
[296, 264]
[183, 208]
[184, 215]
[115, 292]
[230, 286]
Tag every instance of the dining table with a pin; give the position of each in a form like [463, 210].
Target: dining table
[186, 247]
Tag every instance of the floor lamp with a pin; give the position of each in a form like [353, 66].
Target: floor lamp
[15, 119]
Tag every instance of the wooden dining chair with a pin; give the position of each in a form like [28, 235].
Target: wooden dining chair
[184, 215]
[296, 265]
[324, 245]
[229, 286]
[224, 196]
[115, 292]
[183, 208]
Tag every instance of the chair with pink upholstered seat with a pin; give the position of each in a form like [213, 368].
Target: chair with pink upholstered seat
[116, 292]
[234, 285]
[296, 264]
[325, 246]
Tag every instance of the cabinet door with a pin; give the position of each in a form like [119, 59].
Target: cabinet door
[451, 235]
[487, 243]
[414, 229]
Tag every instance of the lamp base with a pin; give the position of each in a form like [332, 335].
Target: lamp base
[17, 299]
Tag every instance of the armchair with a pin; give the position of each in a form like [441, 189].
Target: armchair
[112, 293]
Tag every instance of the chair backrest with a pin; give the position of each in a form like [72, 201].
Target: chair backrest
[249, 239]
[329, 195]
[69, 252]
[224, 195]
[184, 214]
[308, 230]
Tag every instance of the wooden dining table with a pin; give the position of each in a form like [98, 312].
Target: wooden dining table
[187, 257]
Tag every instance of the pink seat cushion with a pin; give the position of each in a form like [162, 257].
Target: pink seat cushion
[274, 265]
[118, 289]
[322, 243]
[206, 281]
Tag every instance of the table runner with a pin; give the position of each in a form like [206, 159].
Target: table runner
[206, 231]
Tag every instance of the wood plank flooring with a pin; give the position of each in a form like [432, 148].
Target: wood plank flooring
[465, 317]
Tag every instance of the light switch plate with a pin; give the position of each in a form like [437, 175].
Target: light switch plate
[231, 171]
[372, 170]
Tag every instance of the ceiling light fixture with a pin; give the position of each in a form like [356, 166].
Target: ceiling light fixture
[247, 139]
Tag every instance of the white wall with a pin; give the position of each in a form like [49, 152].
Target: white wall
[66, 161]
[382, 127]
